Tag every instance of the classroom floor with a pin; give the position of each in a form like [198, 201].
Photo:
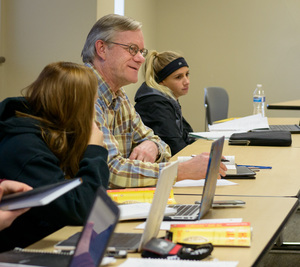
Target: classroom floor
[286, 258]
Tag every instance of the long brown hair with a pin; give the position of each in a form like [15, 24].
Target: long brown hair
[62, 99]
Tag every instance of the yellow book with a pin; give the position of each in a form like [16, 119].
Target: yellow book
[136, 195]
[219, 234]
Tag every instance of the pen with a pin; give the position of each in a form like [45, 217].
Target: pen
[256, 167]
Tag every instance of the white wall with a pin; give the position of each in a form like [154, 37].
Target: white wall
[144, 11]
[38, 32]
[234, 44]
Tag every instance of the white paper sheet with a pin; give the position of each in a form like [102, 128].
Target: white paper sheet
[242, 124]
[213, 135]
[138, 262]
[139, 211]
[187, 183]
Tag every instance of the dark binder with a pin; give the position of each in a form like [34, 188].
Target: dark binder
[261, 138]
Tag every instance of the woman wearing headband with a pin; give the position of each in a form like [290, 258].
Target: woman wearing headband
[166, 79]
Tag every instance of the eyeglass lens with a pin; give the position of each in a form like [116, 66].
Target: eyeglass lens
[134, 49]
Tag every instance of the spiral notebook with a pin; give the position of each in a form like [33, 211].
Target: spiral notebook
[90, 247]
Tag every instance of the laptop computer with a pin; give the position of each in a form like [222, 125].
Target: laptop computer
[193, 212]
[132, 241]
[292, 128]
[91, 245]
[135, 241]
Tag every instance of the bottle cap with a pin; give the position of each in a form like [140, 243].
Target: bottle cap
[259, 85]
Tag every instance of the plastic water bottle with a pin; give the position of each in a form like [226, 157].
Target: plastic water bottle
[259, 100]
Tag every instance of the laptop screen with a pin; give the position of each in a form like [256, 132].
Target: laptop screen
[211, 176]
[97, 232]
[159, 202]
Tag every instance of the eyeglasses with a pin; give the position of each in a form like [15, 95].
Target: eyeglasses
[133, 49]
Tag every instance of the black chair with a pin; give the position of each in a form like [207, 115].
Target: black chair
[216, 102]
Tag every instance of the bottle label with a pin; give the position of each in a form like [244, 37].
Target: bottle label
[258, 99]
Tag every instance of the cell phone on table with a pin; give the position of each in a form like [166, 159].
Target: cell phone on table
[226, 203]
[68, 244]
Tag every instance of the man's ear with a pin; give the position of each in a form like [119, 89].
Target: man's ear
[101, 49]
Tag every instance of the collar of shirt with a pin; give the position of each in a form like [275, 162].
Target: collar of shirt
[112, 99]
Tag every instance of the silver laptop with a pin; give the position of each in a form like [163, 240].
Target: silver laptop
[193, 212]
[91, 245]
[132, 241]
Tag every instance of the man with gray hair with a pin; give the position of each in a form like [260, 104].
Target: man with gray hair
[115, 50]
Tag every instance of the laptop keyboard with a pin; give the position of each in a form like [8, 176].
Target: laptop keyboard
[285, 127]
[183, 210]
[125, 241]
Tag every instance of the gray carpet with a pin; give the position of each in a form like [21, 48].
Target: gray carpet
[284, 258]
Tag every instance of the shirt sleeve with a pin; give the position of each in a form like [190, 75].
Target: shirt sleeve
[120, 141]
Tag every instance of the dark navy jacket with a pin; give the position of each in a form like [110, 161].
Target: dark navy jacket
[163, 115]
[25, 157]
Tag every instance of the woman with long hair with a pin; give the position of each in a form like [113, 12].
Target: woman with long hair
[47, 136]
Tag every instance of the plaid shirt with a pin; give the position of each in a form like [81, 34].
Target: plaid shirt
[123, 130]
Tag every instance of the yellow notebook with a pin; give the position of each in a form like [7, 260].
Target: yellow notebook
[219, 234]
[136, 195]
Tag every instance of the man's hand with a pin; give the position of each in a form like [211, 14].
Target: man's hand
[196, 168]
[147, 151]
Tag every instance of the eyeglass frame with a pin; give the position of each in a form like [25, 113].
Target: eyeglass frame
[134, 52]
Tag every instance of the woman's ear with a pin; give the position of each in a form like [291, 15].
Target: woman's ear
[101, 49]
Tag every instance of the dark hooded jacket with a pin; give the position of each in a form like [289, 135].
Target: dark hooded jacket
[163, 115]
[25, 157]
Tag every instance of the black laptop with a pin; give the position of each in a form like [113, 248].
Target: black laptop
[292, 128]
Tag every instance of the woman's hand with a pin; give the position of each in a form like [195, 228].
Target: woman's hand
[9, 187]
[96, 137]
